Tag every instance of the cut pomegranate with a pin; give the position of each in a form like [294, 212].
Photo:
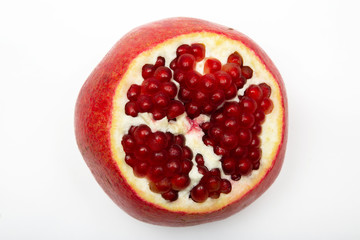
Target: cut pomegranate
[183, 125]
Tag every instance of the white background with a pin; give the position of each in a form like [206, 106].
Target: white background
[47, 50]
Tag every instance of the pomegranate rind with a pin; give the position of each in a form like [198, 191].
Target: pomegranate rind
[95, 123]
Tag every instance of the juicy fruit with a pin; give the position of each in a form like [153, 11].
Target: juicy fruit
[187, 125]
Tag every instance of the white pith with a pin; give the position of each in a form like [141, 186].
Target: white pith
[219, 47]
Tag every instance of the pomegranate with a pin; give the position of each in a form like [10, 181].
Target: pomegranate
[183, 122]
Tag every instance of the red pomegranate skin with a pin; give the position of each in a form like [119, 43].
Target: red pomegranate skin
[93, 115]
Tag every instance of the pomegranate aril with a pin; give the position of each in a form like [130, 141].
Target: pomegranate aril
[175, 152]
[175, 109]
[208, 108]
[239, 151]
[228, 165]
[148, 71]
[265, 89]
[162, 186]
[144, 103]
[216, 133]
[141, 133]
[163, 74]
[256, 165]
[133, 92]
[199, 159]
[240, 82]
[244, 166]
[218, 117]
[214, 195]
[158, 158]
[212, 65]
[244, 136]
[143, 152]
[131, 160]
[266, 105]
[186, 62]
[248, 104]
[150, 85]
[199, 193]
[182, 49]
[254, 154]
[161, 100]
[256, 129]
[225, 186]
[229, 141]
[172, 167]
[247, 120]
[179, 140]
[235, 177]
[254, 92]
[203, 170]
[156, 173]
[208, 141]
[180, 182]
[187, 153]
[255, 142]
[169, 88]
[235, 58]
[170, 138]
[157, 141]
[171, 195]
[192, 80]
[231, 109]
[158, 113]
[223, 79]
[232, 69]
[198, 50]
[186, 166]
[247, 72]
[213, 183]
[215, 172]
[179, 75]
[208, 82]
[184, 94]
[217, 97]
[173, 64]
[192, 109]
[230, 92]
[131, 109]
[141, 169]
[160, 61]
[200, 97]
[259, 116]
[220, 151]
[128, 143]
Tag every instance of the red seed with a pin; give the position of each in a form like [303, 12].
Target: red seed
[254, 92]
[266, 105]
[182, 49]
[199, 193]
[255, 142]
[217, 97]
[235, 58]
[239, 151]
[247, 120]
[131, 109]
[187, 153]
[254, 154]
[247, 72]
[220, 151]
[157, 141]
[206, 126]
[225, 186]
[173, 64]
[141, 169]
[215, 172]
[232, 109]
[162, 186]
[171, 195]
[148, 71]
[212, 65]
[208, 108]
[133, 92]
[259, 116]
[175, 109]
[175, 152]
[131, 160]
[229, 141]
[179, 75]
[232, 69]
[186, 166]
[228, 165]
[161, 100]
[163, 74]
[199, 159]
[203, 170]
[158, 113]
[200, 97]
[214, 195]
[216, 133]
[240, 82]
[180, 182]
[218, 117]
[223, 79]
[213, 183]
[172, 167]
[158, 158]
[208, 141]
[256, 129]
[244, 166]
[128, 143]
[143, 152]
[186, 62]
[142, 133]
[193, 109]
[235, 177]
[192, 80]
[150, 85]
[231, 124]
[160, 61]
[244, 136]
[198, 50]
[230, 92]
[208, 82]
[169, 88]
[265, 89]
[156, 173]
[144, 103]
[248, 104]
[184, 94]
